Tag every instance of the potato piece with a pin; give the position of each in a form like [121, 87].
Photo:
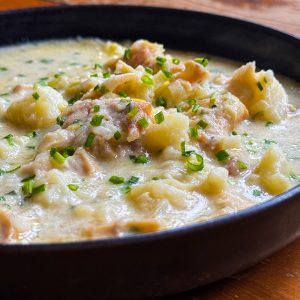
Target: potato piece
[170, 132]
[261, 92]
[273, 170]
[174, 92]
[148, 195]
[37, 113]
[215, 182]
[193, 72]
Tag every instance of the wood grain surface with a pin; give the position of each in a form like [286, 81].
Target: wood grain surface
[275, 278]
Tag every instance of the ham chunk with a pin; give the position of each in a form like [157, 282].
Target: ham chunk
[144, 53]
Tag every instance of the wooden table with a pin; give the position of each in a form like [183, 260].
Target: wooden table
[275, 278]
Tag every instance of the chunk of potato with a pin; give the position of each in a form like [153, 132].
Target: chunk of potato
[170, 132]
[174, 92]
[38, 109]
[215, 182]
[273, 171]
[261, 92]
[148, 195]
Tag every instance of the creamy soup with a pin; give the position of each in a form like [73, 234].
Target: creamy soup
[100, 139]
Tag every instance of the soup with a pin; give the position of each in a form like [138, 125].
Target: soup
[101, 140]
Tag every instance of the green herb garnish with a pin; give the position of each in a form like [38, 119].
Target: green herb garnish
[159, 117]
[116, 179]
[222, 155]
[89, 140]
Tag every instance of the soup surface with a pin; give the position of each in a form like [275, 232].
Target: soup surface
[100, 139]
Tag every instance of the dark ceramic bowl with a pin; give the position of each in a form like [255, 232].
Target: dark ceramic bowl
[156, 264]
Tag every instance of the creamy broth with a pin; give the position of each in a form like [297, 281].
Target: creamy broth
[123, 164]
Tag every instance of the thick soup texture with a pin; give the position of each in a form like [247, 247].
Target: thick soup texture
[100, 139]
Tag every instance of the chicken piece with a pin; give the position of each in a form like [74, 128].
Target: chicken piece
[82, 162]
[100, 231]
[57, 139]
[193, 72]
[142, 226]
[7, 230]
[40, 163]
[144, 53]
[261, 92]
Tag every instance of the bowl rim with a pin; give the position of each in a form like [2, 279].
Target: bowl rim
[172, 233]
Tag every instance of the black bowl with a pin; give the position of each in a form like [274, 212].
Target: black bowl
[172, 261]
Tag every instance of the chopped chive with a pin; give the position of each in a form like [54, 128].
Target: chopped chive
[178, 108]
[192, 102]
[155, 178]
[29, 147]
[126, 189]
[60, 120]
[10, 139]
[202, 124]
[132, 180]
[73, 187]
[59, 74]
[202, 61]
[222, 155]
[116, 179]
[2, 199]
[269, 142]
[293, 176]
[256, 193]
[161, 101]
[265, 80]
[143, 122]
[160, 60]
[96, 120]
[4, 94]
[117, 135]
[39, 189]
[127, 54]
[9, 171]
[167, 74]
[67, 151]
[245, 133]
[89, 140]
[147, 79]
[123, 94]
[159, 117]
[212, 102]
[195, 108]
[149, 70]
[193, 132]
[28, 178]
[175, 61]
[259, 85]
[3, 69]
[27, 187]
[72, 101]
[32, 134]
[96, 66]
[133, 112]
[46, 61]
[29, 61]
[36, 95]
[234, 133]
[241, 165]
[195, 167]
[96, 108]
[59, 158]
[269, 124]
[106, 75]
[95, 75]
[184, 152]
[140, 159]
